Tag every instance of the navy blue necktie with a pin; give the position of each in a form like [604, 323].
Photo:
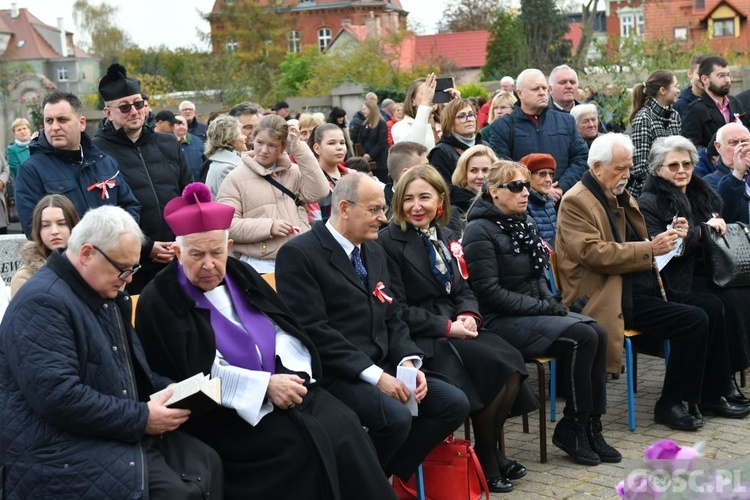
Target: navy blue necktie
[359, 267]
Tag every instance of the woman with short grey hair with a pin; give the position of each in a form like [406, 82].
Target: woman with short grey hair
[225, 142]
[587, 121]
[672, 190]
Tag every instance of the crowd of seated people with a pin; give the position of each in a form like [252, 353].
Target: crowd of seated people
[434, 262]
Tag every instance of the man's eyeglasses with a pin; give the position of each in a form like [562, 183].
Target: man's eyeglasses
[124, 273]
[516, 186]
[675, 166]
[125, 107]
[462, 117]
[374, 211]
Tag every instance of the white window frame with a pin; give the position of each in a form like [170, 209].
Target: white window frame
[62, 74]
[232, 45]
[325, 36]
[294, 42]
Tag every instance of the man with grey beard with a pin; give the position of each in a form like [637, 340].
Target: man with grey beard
[606, 268]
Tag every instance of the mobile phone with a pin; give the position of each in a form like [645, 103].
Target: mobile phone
[440, 85]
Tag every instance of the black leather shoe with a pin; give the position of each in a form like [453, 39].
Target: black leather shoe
[675, 416]
[500, 485]
[724, 408]
[735, 395]
[695, 412]
[513, 470]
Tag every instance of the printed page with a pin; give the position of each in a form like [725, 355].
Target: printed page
[408, 376]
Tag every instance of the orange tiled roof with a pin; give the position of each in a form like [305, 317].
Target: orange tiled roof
[38, 38]
[466, 49]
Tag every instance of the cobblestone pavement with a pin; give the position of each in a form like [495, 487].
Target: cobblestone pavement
[724, 439]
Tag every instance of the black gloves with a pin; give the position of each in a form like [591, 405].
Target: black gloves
[557, 308]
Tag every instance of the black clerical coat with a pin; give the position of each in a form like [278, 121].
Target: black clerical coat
[179, 339]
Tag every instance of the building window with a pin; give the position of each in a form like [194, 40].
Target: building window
[626, 25]
[680, 33]
[723, 28]
[324, 38]
[62, 74]
[699, 4]
[294, 42]
[639, 24]
[232, 45]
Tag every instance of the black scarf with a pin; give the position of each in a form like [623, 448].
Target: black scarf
[524, 235]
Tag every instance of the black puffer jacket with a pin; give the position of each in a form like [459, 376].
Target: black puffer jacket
[444, 156]
[505, 283]
[659, 203]
[156, 171]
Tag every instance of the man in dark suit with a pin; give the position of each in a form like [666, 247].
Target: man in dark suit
[335, 280]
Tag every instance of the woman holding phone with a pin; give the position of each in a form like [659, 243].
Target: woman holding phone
[421, 122]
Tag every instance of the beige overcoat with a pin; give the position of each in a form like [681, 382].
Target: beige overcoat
[591, 262]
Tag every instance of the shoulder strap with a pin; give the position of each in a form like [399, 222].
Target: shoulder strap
[480, 473]
[283, 189]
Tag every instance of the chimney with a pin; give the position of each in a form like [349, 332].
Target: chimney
[372, 25]
[13, 10]
[63, 38]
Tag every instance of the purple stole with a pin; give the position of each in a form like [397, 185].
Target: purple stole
[237, 345]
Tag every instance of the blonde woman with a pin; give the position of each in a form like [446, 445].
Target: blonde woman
[472, 169]
[502, 104]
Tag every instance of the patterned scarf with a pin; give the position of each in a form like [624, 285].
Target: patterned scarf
[438, 254]
[524, 235]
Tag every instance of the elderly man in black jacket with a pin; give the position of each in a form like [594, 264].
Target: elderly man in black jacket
[75, 418]
[335, 279]
[151, 163]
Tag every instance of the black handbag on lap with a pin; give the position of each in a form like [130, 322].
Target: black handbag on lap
[727, 255]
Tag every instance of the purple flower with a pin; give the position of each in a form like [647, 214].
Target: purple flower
[668, 455]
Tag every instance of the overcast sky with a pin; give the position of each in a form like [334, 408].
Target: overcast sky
[152, 23]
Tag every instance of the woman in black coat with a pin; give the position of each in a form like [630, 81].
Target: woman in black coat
[672, 191]
[444, 320]
[467, 181]
[373, 136]
[506, 260]
[458, 123]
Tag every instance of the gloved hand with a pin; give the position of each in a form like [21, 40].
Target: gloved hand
[557, 308]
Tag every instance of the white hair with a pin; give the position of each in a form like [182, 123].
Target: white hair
[525, 74]
[102, 227]
[347, 189]
[580, 111]
[720, 132]
[186, 103]
[601, 149]
[560, 68]
[507, 79]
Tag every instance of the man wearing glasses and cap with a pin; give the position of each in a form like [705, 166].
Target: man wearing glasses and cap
[64, 161]
[151, 163]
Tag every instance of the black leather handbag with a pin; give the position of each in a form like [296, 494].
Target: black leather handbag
[727, 255]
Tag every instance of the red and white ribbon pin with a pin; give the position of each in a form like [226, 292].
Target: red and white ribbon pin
[379, 292]
[103, 185]
[458, 253]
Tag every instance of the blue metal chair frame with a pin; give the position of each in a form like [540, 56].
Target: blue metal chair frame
[631, 389]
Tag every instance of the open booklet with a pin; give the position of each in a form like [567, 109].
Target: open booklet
[198, 394]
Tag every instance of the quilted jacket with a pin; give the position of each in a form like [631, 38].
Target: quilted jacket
[71, 380]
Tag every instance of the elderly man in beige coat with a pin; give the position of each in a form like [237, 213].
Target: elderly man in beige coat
[606, 259]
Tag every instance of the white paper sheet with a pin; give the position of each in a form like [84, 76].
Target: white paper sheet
[408, 376]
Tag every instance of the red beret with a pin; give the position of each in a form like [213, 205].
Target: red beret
[195, 212]
[539, 161]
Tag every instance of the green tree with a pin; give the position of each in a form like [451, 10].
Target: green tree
[588, 18]
[507, 51]
[468, 15]
[294, 71]
[105, 38]
[545, 28]
[249, 44]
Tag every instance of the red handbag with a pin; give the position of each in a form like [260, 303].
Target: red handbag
[451, 472]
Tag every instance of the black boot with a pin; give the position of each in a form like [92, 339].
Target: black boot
[571, 437]
[735, 394]
[606, 452]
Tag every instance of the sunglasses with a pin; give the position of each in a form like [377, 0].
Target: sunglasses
[516, 186]
[125, 107]
[675, 166]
